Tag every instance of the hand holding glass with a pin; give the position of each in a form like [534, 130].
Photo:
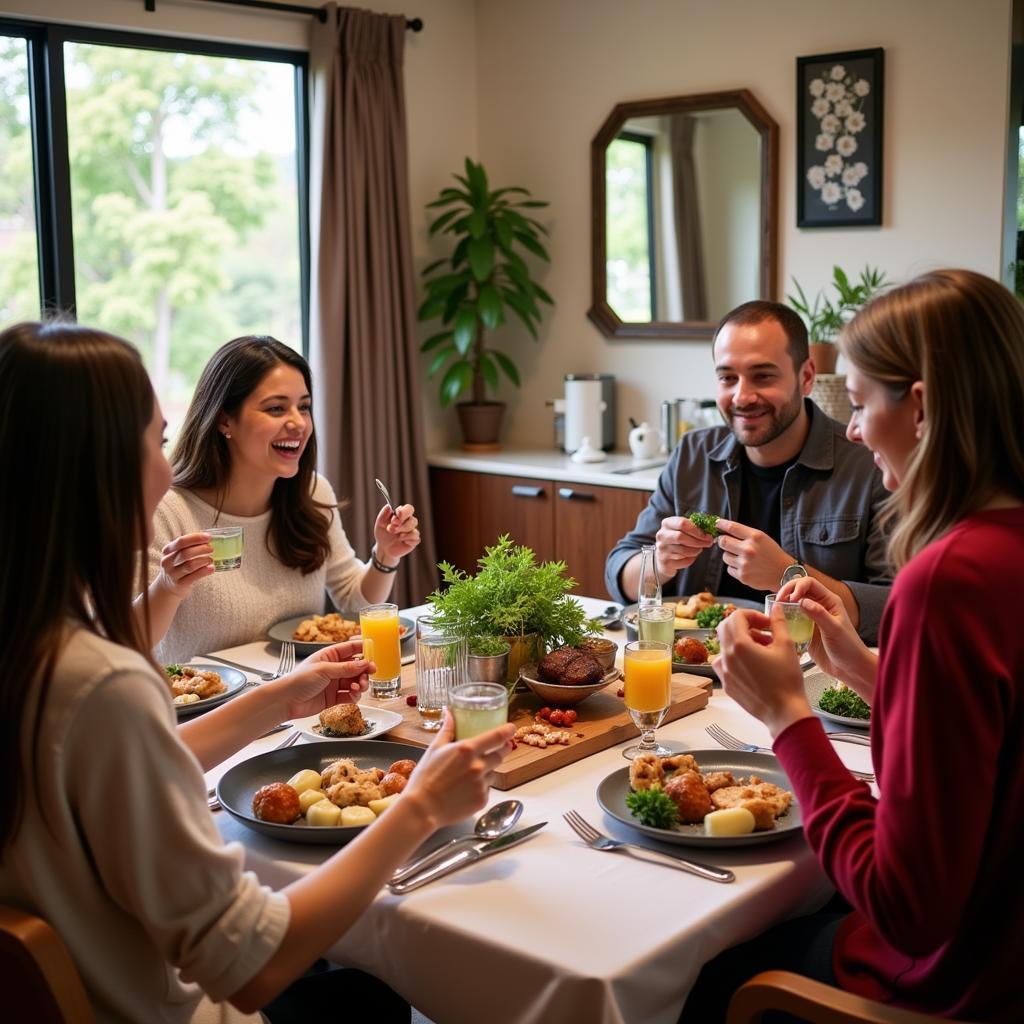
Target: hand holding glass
[478, 707]
[798, 623]
[648, 692]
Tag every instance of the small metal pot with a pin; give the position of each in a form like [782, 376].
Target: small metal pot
[488, 668]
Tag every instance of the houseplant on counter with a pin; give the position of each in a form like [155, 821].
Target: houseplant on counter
[512, 597]
[825, 317]
[473, 289]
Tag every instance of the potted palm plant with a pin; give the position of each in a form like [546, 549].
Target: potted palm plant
[473, 290]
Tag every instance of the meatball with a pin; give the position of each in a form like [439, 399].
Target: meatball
[277, 802]
[403, 767]
[688, 792]
[393, 783]
[691, 651]
[582, 670]
[552, 665]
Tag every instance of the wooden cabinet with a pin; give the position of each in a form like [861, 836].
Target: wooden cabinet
[578, 523]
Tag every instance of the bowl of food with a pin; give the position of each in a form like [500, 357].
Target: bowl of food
[602, 649]
[566, 676]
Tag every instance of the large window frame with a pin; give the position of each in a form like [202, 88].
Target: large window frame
[49, 131]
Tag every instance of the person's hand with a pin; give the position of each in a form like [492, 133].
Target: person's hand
[678, 542]
[395, 533]
[184, 561]
[453, 778]
[759, 668]
[835, 647]
[751, 555]
[329, 677]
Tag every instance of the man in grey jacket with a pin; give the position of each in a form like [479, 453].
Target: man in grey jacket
[787, 483]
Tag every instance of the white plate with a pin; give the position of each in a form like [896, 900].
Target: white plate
[378, 720]
[815, 683]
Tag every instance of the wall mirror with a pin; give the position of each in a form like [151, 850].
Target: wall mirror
[685, 213]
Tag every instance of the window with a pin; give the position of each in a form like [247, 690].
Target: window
[178, 195]
[630, 264]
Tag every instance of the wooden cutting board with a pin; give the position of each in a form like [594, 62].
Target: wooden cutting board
[603, 722]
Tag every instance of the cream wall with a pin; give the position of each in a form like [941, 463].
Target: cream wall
[550, 72]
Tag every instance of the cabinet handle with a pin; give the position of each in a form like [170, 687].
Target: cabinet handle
[568, 494]
[522, 491]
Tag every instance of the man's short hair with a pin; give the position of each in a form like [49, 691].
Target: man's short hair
[756, 312]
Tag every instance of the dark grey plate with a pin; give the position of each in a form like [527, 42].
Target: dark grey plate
[239, 783]
[611, 795]
[283, 631]
[233, 679]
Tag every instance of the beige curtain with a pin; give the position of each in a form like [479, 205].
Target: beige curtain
[362, 315]
[688, 229]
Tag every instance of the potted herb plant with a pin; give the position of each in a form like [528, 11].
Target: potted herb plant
[825, 317]
[515, 598]
[473, 290]
[488, 659]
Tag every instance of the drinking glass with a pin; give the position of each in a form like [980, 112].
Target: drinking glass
[650, 585]
[648, 691]
[379, 623]
[227, 544]
[478, 707]
[798, 623]
[440, 665]
[657, 622]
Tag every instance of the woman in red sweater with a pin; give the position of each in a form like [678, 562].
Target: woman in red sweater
[931, 865]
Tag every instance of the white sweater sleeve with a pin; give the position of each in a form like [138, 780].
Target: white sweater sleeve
[344, 571]
[140, 805]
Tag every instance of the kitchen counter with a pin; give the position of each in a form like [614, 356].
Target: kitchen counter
[618, 469]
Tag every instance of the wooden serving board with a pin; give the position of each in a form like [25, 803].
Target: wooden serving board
[603, 722]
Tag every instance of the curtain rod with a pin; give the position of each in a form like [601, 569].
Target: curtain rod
[413, 24]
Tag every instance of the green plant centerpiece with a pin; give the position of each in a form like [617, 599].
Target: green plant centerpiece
[514, 597]
[825, 316]
[474, 289]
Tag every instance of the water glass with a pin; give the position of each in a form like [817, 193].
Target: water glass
[798, 623]
[478, 707]
[440, 665]
[227, 544]
[657, 622]
[648, 692]
[379, 624]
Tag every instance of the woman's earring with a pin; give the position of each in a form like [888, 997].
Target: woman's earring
[227, 435]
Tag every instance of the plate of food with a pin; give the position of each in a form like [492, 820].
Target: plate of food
[312, 632]
[704, 782]
[197, 688]
[317, 793]
[348, 722]
[837, 702]
[701, 611]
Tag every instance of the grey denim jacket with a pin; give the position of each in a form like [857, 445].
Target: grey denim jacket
[831, 497]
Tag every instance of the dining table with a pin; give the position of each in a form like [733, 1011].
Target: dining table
[551, 929]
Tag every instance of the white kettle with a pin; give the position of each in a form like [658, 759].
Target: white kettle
[644, 441]
[584, 410]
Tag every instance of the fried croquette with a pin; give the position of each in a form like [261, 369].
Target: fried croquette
[691, 651]
[645, 771]
[688, 792]
[342, 720]
[277, 802]
[763, 812]
[393, 782]
[679, 763]
[718, 780]
[403, 767]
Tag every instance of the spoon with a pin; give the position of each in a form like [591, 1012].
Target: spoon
[494, 822]
[387, 497]
[611, 617]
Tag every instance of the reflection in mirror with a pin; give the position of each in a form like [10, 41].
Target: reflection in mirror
[684, 214]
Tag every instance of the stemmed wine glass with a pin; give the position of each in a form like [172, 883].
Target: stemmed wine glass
[648, 692]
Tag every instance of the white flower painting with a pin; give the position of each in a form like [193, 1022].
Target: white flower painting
[838, 102]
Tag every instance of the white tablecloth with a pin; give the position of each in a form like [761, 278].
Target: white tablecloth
[552, 930]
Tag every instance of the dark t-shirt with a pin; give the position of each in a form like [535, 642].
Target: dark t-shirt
[760, 508]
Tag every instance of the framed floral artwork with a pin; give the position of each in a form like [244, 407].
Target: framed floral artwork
[839, 139]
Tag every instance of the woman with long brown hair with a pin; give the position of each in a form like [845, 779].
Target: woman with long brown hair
[104, 828]
[246, 457]
[930, 865]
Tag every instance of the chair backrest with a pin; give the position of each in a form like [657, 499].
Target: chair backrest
[38, 979]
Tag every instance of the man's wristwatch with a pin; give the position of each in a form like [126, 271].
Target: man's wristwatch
[792, 572]
[378, 564]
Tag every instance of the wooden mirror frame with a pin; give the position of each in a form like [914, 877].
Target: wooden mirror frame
[600, 312]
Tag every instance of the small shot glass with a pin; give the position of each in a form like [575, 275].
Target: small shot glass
[227, 542]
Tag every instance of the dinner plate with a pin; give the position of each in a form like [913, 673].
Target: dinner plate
[233, 679]
[815, 684]
[378, 722]
[629, 614]
[612, 792]
[282, 631]
[238, 785]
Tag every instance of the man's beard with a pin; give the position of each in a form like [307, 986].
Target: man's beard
[768, 430]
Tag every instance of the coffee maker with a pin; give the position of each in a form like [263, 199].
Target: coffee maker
[589, 407]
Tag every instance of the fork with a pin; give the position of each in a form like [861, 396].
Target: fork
[726, 739]
[599, 841]
[211, 794]
[286, 663]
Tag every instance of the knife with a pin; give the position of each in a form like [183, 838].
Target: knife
[850, 737]
[462, 857]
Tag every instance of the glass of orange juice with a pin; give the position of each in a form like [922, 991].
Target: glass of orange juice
[379, 624]
[648, 691]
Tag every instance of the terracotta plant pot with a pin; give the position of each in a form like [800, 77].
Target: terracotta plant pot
[481, 425]
[824, 355]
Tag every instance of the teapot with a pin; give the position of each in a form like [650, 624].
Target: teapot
[644, 441]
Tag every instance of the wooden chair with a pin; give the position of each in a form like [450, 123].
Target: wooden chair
[38, 978]
[812, 1001]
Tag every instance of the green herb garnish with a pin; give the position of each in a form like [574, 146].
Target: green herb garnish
[172, 670]
[712, 646]
[653, 807]
[710, 617]
[846, 703]
[705, 521]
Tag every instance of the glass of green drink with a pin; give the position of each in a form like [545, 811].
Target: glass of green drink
[798, 622]
[227, 547]
[477, 707]
[657, 622]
